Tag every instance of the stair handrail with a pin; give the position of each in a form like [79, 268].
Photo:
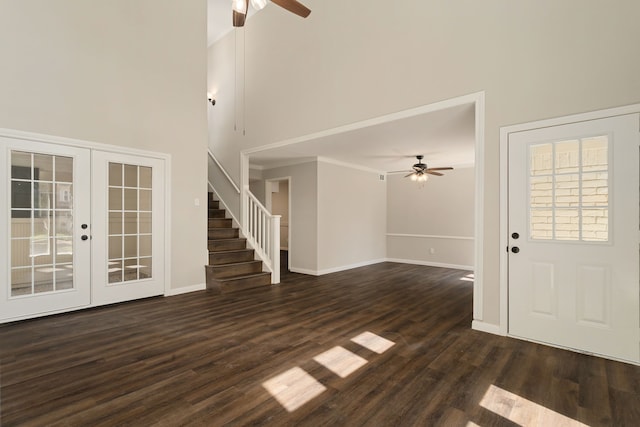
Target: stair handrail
[224, 171]
[262, 230]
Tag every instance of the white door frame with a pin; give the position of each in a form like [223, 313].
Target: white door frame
[504, 189]
[37, 137]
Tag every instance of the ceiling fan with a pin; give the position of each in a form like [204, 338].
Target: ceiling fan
[240, 8]
[420, 170]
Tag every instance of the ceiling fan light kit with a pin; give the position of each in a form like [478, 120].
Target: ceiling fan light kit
[420, 172]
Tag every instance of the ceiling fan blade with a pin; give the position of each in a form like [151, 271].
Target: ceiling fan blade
[407, 176]
[239, 18]
[431, 172]
[440, 169]
[294, 7]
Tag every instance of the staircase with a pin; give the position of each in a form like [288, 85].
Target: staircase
[232, 266]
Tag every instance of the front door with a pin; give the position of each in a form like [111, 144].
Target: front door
[44, 226]
[573, 236]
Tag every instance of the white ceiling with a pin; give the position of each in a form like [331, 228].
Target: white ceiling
[444, 137]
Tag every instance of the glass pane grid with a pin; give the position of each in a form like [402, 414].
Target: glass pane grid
[129, 213]
[569, 190]
[41, 219]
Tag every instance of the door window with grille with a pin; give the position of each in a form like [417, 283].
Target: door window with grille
[130, 222]
[569, 190]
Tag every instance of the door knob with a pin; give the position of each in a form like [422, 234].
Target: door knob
[515, 236]
[515, 249]
[84, 237]
[84, 226]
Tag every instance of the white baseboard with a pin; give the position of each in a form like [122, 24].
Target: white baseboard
[335, 269]
[430, 264]
[490, 328]
[185, 290]
[303, 271]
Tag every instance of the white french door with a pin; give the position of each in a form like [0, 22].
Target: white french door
[128, 215]
[573, 236]
[80, 228]
[45, 219]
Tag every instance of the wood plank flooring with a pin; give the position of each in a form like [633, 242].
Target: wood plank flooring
[202, 359]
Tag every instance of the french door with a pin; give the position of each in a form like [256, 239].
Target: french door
[45, 223]
[573, 236]
[81, 228]
[128, 215]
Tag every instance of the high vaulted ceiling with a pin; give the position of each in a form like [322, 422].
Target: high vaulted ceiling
[445, 137]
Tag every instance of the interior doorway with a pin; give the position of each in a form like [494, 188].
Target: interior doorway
[278, 202]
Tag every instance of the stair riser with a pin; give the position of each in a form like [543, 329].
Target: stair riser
[227, 245]
[228, 286]
[223, 233]
[224, 271]
[214, 204]
[230, 257]
[220, 223]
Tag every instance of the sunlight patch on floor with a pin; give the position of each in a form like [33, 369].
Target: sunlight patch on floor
[373, 342]
[468, 278]
[340, 361]
[293, 388]
[523, 411]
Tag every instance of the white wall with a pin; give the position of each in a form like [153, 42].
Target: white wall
[124, 72]
[442, 207]
[303, 213]
[351, 217]
[361, 59]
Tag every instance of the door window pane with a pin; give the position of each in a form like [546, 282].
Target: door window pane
[130, 220]
[41, 223]
[569, 190]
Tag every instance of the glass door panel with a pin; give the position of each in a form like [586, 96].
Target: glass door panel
[39, 222]
[128, 262]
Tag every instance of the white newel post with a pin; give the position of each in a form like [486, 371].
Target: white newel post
[275, 249]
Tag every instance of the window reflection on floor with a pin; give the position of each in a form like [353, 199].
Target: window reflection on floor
[522, 411]
[295, 387]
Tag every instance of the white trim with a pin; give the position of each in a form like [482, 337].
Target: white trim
[430, 264]
[490, 328]
[348, 165]
[430, 236]
[478, 284]
[286, 163]
[185, 290]
[224, 171]
[71, 142]
[303, 271]
[505, 131]
[336, 269]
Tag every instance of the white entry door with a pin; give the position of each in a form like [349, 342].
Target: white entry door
[44, 224]
[128, 227]
[573, 236]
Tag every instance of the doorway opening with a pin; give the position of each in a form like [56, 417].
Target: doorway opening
[278, 202]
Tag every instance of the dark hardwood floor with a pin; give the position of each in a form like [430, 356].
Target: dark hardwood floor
[207, 359]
